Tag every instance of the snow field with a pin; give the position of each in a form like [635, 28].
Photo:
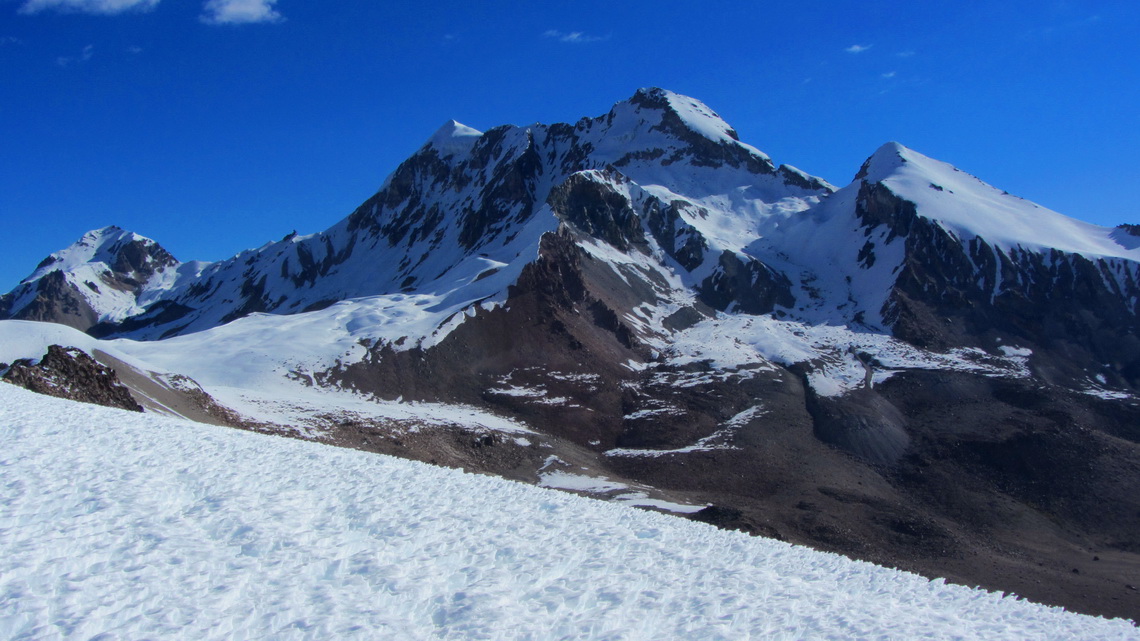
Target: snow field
[969, 207]
[243, 366]
[115, 525]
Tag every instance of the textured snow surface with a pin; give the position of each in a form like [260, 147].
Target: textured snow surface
[116, 525]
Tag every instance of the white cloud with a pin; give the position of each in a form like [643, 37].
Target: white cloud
[858, 48]
[575, 37]
[905, 54]
[889, 74]
[82, 57]
[105, 7]
[240, 12]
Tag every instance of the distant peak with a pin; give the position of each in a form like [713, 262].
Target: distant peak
[884, 162]
[692, 113]
[109, 235]
[651, 97]
[104, 232]
[111, 239]
[455, 129]
[452, 138]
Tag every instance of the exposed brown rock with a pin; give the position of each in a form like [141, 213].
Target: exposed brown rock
[68, 372]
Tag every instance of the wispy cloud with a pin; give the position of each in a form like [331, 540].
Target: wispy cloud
[240, 12]
[104, 7]
[889, 74]
[78, 59]
[905, 54]
[213, 11]
[574, 37]
[10, 40]
[858, 48]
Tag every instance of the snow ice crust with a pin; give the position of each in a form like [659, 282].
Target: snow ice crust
[120, 525]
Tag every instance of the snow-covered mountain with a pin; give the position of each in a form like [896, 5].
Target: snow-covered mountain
[917, 368]
[460, 218]
[659, 181]
[107, 275]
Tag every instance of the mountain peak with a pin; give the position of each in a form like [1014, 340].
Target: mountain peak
[120, 250]
[108, 234]
[969, 207]
[453, 138]
[692, 113]
[886, 159]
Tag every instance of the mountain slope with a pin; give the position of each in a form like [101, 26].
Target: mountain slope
[175, 529]
[997, 267]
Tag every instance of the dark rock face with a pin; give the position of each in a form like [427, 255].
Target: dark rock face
[598, 211]
[754, 287]
[67, 372]
[136, 260]
[1130, 229]
[56, 301]
[799, 179]
[679, 240]
[1079, 313]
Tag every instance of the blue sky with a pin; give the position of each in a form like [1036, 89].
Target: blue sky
[217, 125]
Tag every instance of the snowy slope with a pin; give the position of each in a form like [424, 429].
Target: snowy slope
[148, 527]
[242, 365]
[968, 208]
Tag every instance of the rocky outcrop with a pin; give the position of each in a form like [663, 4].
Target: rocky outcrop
[597, 210]
[68, 372]
[746, 285]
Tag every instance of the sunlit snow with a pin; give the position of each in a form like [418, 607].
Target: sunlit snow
[118, 525]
